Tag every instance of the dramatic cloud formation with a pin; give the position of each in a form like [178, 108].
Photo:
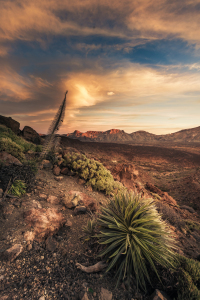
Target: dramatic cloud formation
[127, 64]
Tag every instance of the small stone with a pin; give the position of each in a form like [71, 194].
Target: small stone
[80, 210]
[46, 164]
[64, 171]
[58, 178]
[1, 193]
[29, 247]
[85, 297]
[42, 298]
[56, 170]
[43, 196]
[2, 277]
[70, 201]
[105, 295]
[81, 181]
[94, 294]
[11, 253]
[53, 199]
[51, 244]
[68, 224]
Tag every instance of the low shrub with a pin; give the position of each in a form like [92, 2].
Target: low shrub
[188, 279]
[92, 171]
[6, 144]
[18, 188]
[135, 238]
[13, 144]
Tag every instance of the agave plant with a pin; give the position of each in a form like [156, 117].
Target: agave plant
[135, 237]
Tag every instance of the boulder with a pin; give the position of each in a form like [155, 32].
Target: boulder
[8, 159]
[10, 123]
[31, 135]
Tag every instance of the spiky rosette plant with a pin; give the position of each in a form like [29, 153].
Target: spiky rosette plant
[135, 237]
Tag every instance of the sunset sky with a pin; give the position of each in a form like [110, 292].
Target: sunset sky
[127, 64]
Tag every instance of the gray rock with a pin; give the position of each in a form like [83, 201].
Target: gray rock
[159, 295]
[105, 295]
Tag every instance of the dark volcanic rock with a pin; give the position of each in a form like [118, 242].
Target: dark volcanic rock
[31, 135]
[10, 123]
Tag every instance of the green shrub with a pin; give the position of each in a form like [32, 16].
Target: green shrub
[18, 188]
[6, 144]
[135, 238]
[22, 143]
[92, 171]
[188, 279]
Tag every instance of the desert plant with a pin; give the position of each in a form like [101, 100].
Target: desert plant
[54, 127]
[89, 229]
[188, 279]
[135, 238]
[18, 188]
[92, 171]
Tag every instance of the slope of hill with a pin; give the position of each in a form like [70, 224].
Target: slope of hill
[120, 136]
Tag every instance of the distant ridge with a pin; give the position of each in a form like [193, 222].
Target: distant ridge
[120, 136]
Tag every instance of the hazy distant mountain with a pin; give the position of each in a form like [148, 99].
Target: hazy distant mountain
[120, 136]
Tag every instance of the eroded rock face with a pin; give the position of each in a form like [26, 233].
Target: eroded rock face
[10, 123]
[8, 159]
[31, 135]
[125, 173]
[45, 222]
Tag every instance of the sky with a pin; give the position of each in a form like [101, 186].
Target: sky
[130, 65]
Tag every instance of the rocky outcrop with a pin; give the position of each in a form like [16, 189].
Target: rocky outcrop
[31, 135]
[10, 123]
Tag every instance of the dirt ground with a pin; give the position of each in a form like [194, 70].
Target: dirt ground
[53, 274]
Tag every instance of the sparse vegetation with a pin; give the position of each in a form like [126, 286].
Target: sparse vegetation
[18, 188]
[92, 171]
[89, 229]
[169, 214]
[135, 237]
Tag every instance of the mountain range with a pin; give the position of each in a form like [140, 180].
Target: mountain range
[120, 136]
